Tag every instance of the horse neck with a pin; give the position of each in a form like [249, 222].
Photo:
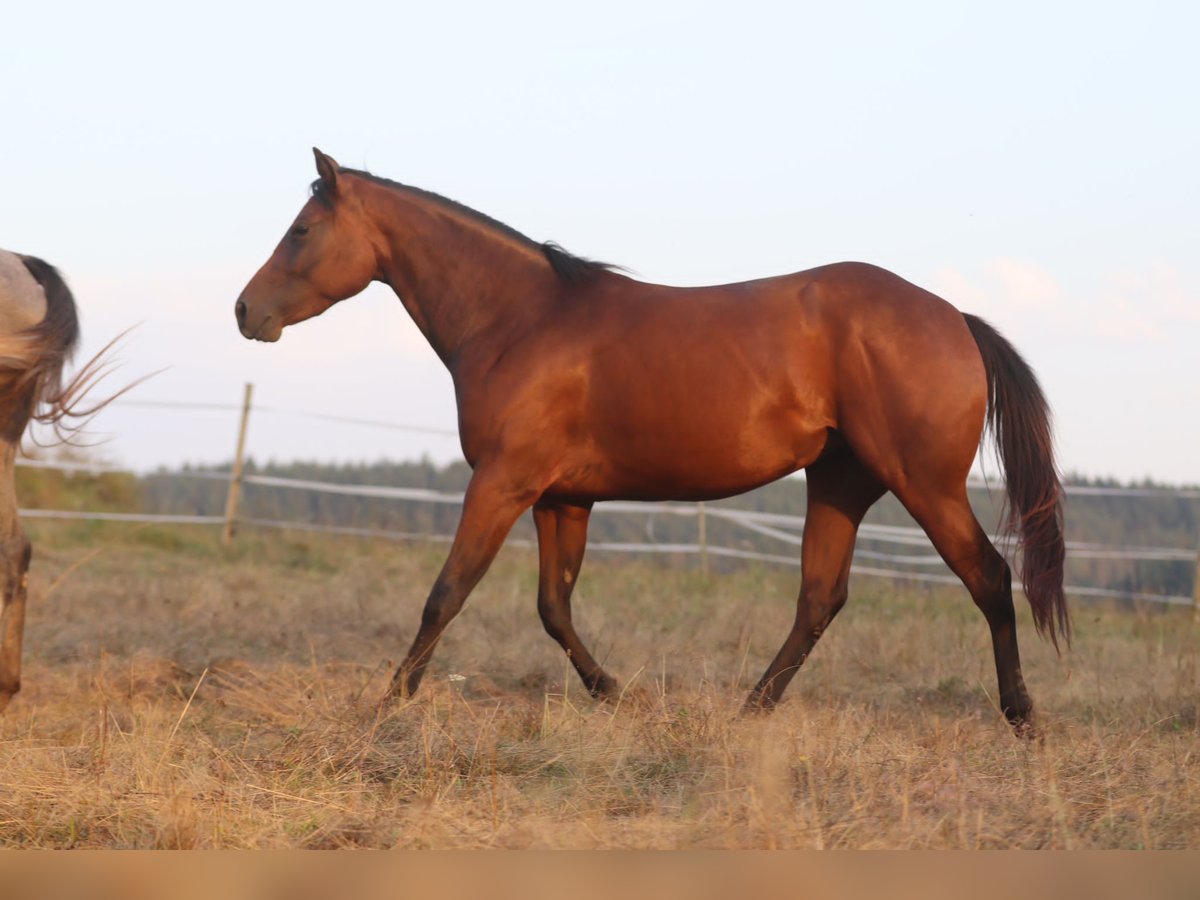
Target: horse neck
[469, 287]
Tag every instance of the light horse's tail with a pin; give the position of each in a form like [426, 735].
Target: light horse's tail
[1019, 419]
[32, 363]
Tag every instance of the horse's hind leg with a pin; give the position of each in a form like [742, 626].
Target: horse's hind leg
[840, 491]
[963, 544]
[15, 552]
[562, 535]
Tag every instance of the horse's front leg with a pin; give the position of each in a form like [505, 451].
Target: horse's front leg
[15, 552]
[490, 508]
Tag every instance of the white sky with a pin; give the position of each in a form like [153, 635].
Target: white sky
[1035, 163]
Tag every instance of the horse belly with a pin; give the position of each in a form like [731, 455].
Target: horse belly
[691, 450]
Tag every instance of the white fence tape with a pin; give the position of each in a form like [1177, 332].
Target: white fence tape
[144, 518]
[778, 526]
[759, 522]
[355, 490]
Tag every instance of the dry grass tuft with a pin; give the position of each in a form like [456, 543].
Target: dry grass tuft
[177, 698]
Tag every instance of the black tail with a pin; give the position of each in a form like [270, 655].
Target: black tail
[1019, 419]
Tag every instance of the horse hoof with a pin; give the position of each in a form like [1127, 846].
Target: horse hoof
[606, 689]
[394, 696]
[758, 705]
[1024, 728]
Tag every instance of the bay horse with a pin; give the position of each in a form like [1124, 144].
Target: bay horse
[39, 330]
[577, 384]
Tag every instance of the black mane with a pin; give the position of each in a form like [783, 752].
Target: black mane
[570, 268]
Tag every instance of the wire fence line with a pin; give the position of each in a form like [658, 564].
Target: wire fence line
[785, 529]
[974, 483]
[285, 411]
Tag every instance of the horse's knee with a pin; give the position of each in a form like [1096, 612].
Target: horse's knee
[17, 548]
[7, 692]
[838, 597]
[440, 608]
[16, 552]
[819, 603]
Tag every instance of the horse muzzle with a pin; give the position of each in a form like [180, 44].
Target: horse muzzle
[257, 328]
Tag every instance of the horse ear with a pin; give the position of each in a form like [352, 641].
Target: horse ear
[327, 168]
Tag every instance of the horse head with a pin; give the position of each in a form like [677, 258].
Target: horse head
[326, 256]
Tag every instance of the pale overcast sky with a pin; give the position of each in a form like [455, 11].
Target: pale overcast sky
[1036, 163]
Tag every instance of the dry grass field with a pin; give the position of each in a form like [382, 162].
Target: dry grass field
[178, 696]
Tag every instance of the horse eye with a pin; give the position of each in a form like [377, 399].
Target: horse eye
[299, 230]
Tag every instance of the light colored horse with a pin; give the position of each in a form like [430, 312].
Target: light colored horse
[38, 333]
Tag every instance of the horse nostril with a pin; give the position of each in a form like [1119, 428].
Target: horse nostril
[239, 310]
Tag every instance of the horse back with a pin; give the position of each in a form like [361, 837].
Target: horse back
[632, 389]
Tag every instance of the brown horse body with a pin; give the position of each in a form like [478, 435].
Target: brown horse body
[577, 384]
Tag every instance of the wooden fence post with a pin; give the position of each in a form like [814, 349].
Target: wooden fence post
[235, 477]
[702, 537]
